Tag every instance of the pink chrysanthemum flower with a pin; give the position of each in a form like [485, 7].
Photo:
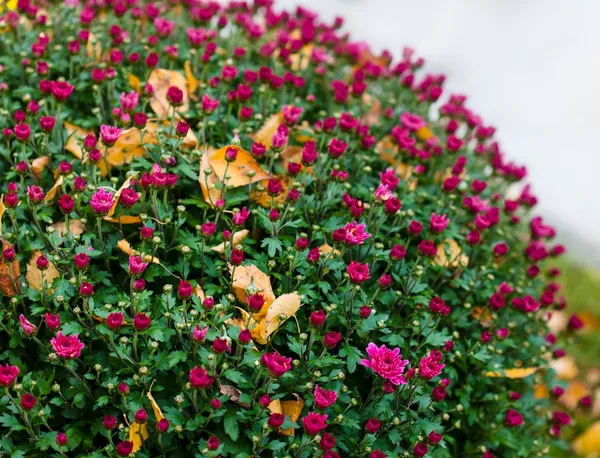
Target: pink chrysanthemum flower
[355, 233]
[67, 347]
[28, 327]
[102, 201]
[386, 363]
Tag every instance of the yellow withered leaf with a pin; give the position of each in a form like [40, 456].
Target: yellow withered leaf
[565, 367]
[38, 165]
[326, 249]
[517, 372]
[34, 275]
[135, 83]
[283, 308]
[74, 134]
[387, 149]
[127, 147]
[405, 172]
[51, 194]
[208, 183]
[237, 238]
[263, 198]
[138, 433]
[541, 391]
[75, 227]
[238, 170]
[244, 276]
[587, 444]
[301, 59]
[94, 48]
[161, 80]
[125, 247]
[150, 136]
[157, 412]
[424, 133]
[456, 258]
[2, 210]
[268, 129]
[482, 315]
[192, 82]
[124, 219]
[10, 274]
[291, 409]
[574, 392]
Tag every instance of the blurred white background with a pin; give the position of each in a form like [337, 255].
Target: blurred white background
[530, 67]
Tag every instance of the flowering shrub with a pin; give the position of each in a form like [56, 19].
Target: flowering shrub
[233, 231]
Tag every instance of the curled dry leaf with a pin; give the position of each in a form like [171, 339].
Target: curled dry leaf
[517, 372]
[38, 165]
[326, 249]
[424, 133]
[94, 48]
[214, 161]
[483, 315]
[208, 183]
[161, 79]
[124, 219]
[565, 367]
[51, 194]
[244, 276]
[261, 197]
[2, 210]
[374, 115]
[157, 412]
[75, 227]
[233, 394]
[291, 409]
[34, 275]
[300, 59]
[198, 291]
[238, 170]
[138, 433]
[125, 247]
[587, 444]
[574, 392]
[264, 323]
[456, 258]
[10, 274]
[237, 238]
[268, 129]
[387, 150]
[192, 82]
[150, 135]
[135, 83]
[405, 172]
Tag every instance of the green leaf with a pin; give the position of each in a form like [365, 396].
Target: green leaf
[72, 327]
[231, 426]
[438, 339]
[10, 421]
[273, 245]
[352, 355]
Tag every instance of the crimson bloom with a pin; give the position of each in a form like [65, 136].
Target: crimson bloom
[386, 363]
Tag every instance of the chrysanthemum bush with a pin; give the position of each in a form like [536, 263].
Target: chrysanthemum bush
[233, 231]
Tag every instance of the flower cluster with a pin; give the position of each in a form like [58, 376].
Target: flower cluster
[231, 230]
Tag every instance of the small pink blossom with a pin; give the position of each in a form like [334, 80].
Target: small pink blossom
[386, 362]
[355, 234]
[382, 193]
[102, 201]
[199, 334]
[67, 347]
[324, 398]
[109, 134]
[28, 327]
[430, 366]
[137, 265]
[129, 100]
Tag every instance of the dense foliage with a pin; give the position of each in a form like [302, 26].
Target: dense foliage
[233, 231]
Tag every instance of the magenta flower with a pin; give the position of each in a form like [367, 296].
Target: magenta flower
[110, 134]
[67, 347]
[102, 201]
[355, 234]
[137, 265]
[28, 327]
[314, 423]
[359, 273]
[324, 398]
[276, 364]
[412, 121]
[8, 374]
[129, 101]
[430, 365]
[437, 223]
[199, 334]
[386, 363]
[382, 193]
